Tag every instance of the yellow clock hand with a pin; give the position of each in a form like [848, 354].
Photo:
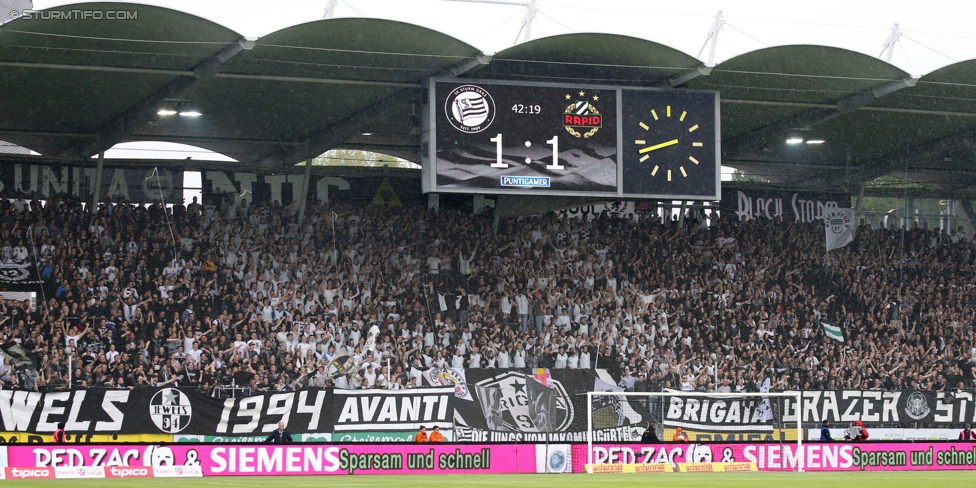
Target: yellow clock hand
[658, 146]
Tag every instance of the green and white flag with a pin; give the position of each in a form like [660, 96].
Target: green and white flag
[832, 331]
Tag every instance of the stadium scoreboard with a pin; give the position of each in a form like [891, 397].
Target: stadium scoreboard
[501, 137]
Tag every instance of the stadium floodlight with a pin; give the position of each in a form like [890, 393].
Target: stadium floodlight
[681, 405]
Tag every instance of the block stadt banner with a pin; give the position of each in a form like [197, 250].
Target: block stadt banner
[788, 207]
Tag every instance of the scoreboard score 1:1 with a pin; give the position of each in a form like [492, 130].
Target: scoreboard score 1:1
[520, 138]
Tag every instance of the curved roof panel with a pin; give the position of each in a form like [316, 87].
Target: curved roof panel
[353, 49]
[951, 88]
[589, 58]
[63, 73]
[141, 36]
[806, 74]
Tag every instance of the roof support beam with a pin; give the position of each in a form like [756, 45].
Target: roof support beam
[913, 155]
[756, 138]
[475, 64]
[685, 77]
[109, 69]
[895, 110]
[137, 115]
[337, 133]
[328, 81]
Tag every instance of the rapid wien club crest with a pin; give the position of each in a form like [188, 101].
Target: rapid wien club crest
[582, 119]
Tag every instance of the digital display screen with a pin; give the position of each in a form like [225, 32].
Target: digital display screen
[524, 138]
[502, 137]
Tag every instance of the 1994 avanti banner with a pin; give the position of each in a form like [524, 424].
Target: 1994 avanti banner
[479, 405]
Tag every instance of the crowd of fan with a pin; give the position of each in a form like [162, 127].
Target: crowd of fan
[237, 293]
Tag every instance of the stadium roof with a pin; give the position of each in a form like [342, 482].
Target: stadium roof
[70, 87]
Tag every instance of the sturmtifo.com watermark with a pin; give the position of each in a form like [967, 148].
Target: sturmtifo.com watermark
[75, 14]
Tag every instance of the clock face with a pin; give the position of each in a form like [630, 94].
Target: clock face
[669, 143]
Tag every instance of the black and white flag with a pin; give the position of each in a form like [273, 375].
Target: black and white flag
[839, 227]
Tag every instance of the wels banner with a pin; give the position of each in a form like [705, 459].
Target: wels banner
[120, 183]
[190, 412]
[161, 410]
[275, 460]
[786, 457]
[794, 207]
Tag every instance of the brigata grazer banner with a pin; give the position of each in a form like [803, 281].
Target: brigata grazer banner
[295, 459]
[832, 456]
[906, 408]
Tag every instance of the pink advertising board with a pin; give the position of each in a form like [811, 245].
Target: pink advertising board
[867, 456]
[293, 459]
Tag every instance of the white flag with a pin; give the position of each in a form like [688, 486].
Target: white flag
[839, 226]
[832, 331]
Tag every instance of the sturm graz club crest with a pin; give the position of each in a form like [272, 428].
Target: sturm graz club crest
[514, 399]
[451, 378]
[838, 221]
[17, 274]
[916, 406]
[470, 108]
[158, 184]
[170, 410]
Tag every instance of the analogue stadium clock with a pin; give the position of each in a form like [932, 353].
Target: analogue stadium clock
[669, 143]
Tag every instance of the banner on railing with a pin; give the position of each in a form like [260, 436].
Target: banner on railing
[190, 412]
[786, 456]
[119, 183]
[499, 410]
[782, 206]
[747, 414]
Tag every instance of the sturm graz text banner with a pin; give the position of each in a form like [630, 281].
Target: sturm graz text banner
[788, 207]
[119, 183]
[906, 408]
[502, 408]
[162, 410]
[190, 412]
